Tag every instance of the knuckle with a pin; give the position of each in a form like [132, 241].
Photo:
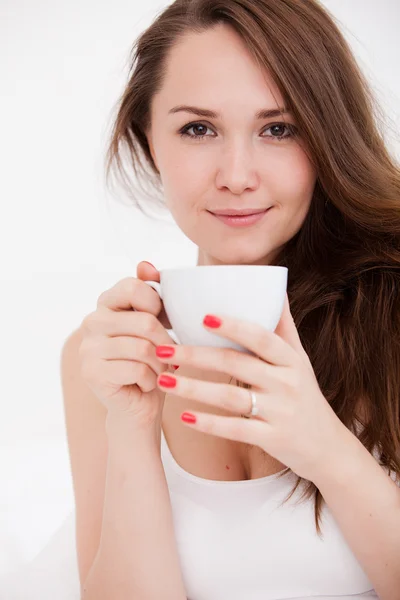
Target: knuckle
[288, 411]
[296, 380]
[226, 396]
[131, 285]
[292, 381]
[188, 353]
[287, 386]
[101, 298]
[105, 296]
[126, 282]
[142, 370]
[150, 323]
[95, 320]
[262, 343]
[147, 349]
[190, 388]
[88, 321]
[229, 359]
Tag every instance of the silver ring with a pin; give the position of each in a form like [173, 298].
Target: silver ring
[254, 407]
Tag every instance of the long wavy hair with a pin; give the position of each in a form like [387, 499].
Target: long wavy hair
[344, 262]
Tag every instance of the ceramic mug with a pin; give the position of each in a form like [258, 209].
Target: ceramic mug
[254, 293]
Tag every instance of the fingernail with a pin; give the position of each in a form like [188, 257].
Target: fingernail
[149, 263]
[165, 351]
[167, 381]
[187, 417]
[211, 321]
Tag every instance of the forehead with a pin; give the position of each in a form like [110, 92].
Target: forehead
[215, 68]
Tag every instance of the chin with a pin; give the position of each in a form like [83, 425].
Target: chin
[241, 258]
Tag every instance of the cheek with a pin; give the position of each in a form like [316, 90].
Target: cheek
[292, 186]
[187, 178]
[293, 178]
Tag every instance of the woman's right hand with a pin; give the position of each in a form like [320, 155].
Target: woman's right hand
[117, 352]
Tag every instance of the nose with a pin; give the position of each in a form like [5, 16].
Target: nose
[236, 168]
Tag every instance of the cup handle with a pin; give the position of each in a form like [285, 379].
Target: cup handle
[157, 287]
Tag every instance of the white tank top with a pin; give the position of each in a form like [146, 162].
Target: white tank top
[236, 542]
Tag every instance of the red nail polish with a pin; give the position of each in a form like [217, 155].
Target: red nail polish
[212, 321]
[176, 366]
[165, 351]
[187, 417]
[167, 381]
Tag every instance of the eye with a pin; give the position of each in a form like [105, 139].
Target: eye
[200, 130]
[195, 126]
[278, 129]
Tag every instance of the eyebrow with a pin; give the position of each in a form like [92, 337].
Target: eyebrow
[265, 113]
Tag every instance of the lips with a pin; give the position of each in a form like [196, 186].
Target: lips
[238, 213]
[241, 220]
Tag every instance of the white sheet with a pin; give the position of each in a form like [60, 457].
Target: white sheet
[51, 575]
[37, 532]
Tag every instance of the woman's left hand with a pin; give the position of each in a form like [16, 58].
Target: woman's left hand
[295, 423]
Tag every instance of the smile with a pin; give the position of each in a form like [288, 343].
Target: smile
[241, 221]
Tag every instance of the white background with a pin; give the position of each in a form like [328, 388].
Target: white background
[64, 239]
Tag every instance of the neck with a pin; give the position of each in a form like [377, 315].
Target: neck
[204, 259]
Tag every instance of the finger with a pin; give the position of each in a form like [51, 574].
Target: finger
[131, 348]
[263, 343]
[227, 397]
[261, 376]
[130, 293]
[249, 431]
[123, 372]
[147, 271]
[136, 324]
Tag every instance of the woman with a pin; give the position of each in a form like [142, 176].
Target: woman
[248, 105]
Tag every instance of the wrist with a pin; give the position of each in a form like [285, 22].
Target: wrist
[340, 461]
[124, 428]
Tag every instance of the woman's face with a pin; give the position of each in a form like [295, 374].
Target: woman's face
[237, 160]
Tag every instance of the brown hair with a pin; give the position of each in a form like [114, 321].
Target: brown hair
[344, 263]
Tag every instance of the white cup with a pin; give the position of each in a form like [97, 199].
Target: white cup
[254, 293]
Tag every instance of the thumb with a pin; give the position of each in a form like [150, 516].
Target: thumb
[147, 272]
